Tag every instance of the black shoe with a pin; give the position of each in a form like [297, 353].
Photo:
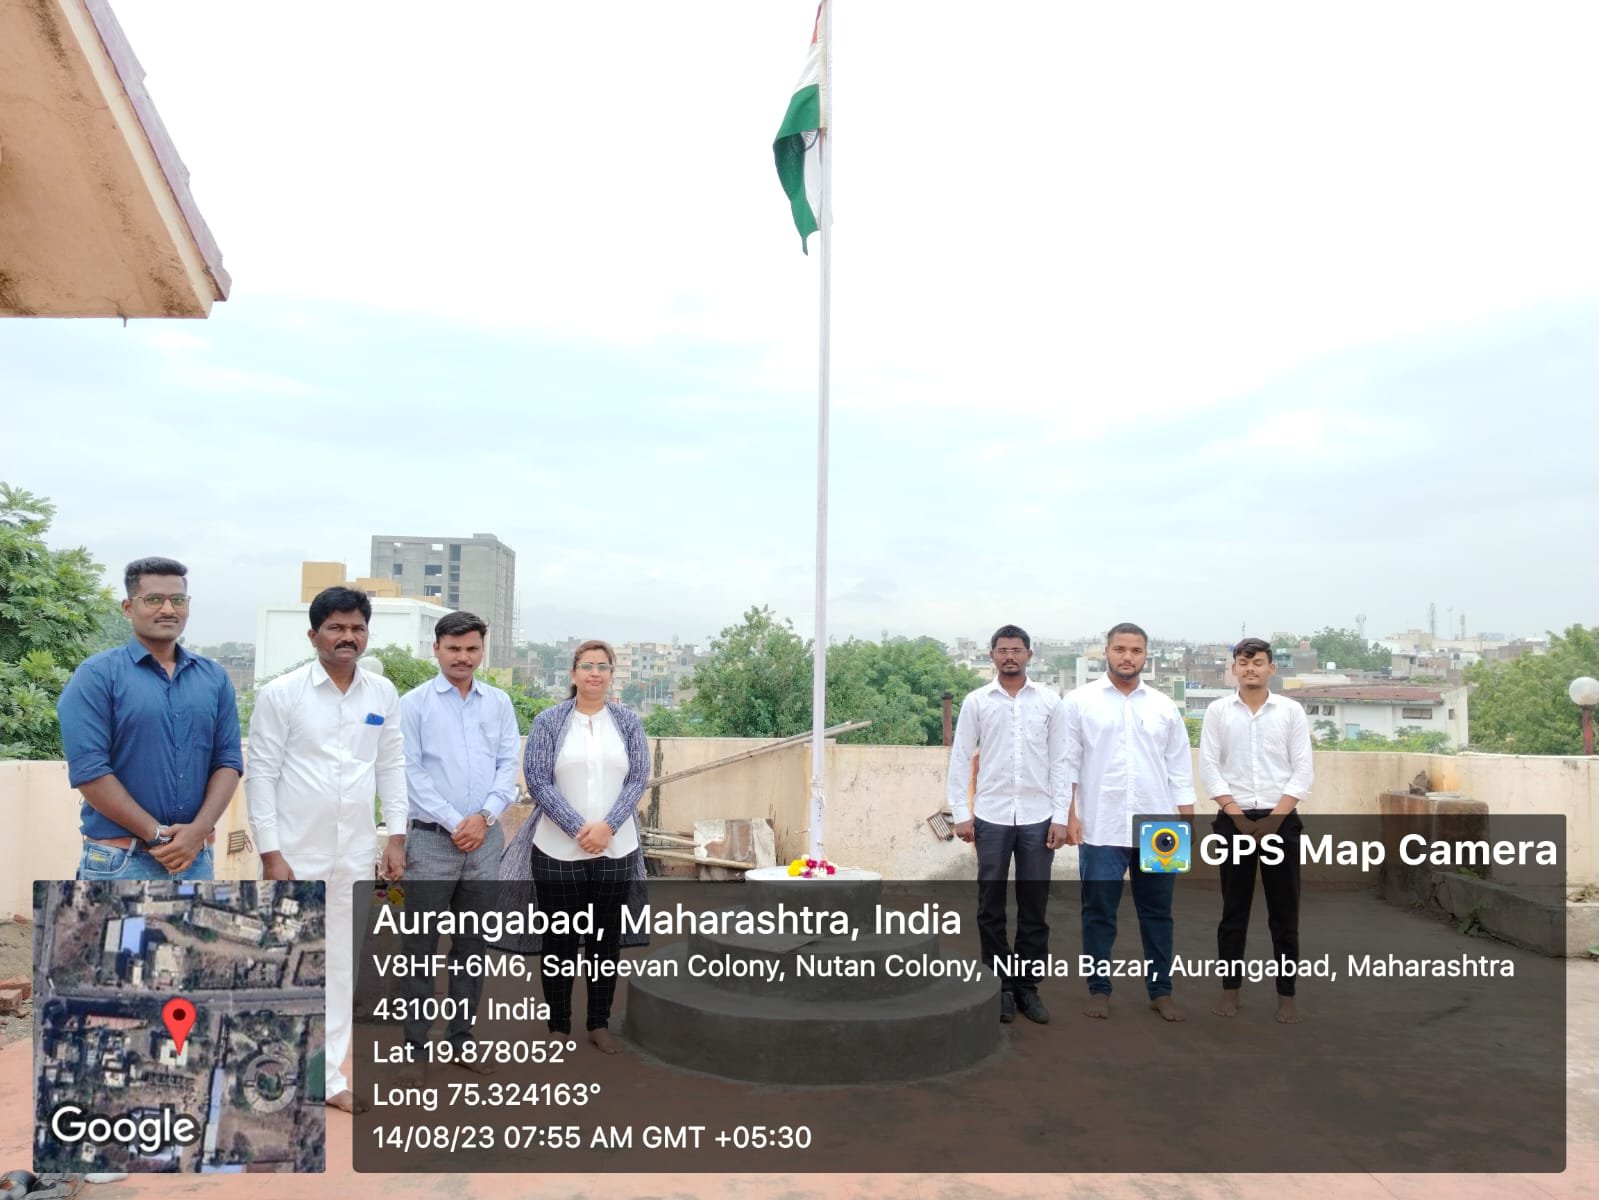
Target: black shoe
[1007, 1007]
[1033, 1008]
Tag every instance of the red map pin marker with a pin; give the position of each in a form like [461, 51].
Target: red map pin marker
[179, 1017]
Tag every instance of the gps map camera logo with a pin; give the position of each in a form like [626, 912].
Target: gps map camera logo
[1165, 847]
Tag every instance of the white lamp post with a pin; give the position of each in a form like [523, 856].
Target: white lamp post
[1584, 692]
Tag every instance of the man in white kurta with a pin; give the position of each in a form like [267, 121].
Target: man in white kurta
[324, 741]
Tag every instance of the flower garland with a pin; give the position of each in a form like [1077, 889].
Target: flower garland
[811, 868]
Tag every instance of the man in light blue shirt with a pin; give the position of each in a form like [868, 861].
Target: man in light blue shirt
[462, 752]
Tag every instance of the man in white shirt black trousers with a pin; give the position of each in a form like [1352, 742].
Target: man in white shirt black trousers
[1129, 756]
[1255, 763]
[324, 743]
[1018, 810]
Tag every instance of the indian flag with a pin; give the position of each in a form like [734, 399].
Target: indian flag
[798, 145]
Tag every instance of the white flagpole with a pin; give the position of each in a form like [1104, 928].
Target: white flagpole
[824, 223]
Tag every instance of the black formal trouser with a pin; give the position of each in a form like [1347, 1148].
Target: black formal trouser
[1281, 885]
[996, 846]
[572, 886]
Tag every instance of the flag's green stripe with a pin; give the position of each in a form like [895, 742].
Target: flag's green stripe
[804, 115]
[804, 111]
[790, 155]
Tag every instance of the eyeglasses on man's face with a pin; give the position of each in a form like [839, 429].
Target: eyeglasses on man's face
[604, 668]
[154, 600]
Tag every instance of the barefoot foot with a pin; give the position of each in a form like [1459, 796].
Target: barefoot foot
[605, 1040]
[1227, 1006]
[1168, 1011]
[1287, 1014]
[1098, 1007]
[345, 1101]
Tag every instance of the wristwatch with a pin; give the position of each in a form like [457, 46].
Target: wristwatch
[161, 838]
[489, 818]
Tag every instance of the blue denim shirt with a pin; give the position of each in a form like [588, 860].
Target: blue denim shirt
[161, 737]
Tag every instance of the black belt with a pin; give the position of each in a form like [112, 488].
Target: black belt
[431, 827]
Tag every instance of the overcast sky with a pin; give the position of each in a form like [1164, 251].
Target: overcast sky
[1208, 316]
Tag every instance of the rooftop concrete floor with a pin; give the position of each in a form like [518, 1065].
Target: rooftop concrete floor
[1131, 1027]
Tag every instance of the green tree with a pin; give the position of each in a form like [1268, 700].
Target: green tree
[245, 702]
[1195, 726]
[527, 705]
[111, 629]
[756, 682]
[1521, 706]
[632, 694]
[898, 685]
[404, 669]
[1426, 741]
[52, 612]
[1410, 739]
[671, 722]
[1344, 647]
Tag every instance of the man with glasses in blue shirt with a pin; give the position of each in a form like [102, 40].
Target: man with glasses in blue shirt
[151, 733]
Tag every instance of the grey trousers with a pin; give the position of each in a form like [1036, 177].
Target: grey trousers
[438, 877]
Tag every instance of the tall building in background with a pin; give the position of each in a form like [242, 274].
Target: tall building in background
[476, 573]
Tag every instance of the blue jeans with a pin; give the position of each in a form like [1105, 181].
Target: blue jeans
[107, 862]
[1102, 868]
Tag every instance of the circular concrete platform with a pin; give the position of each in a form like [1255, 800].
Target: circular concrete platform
[946, 1025]
[799, 1008]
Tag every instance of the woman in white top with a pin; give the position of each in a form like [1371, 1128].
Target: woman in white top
[586, 765]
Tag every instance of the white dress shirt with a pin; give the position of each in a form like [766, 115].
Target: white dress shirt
[1259, 757]
[1129, 755]
[1022, 775]
[317, 757]
[462, 754]
[590, 768]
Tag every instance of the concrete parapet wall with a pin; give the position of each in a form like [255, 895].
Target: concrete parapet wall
[36, 801]
[879, 801]
[1526, 784]
[775, 786]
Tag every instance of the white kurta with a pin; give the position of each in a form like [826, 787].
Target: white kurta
[316, 758]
